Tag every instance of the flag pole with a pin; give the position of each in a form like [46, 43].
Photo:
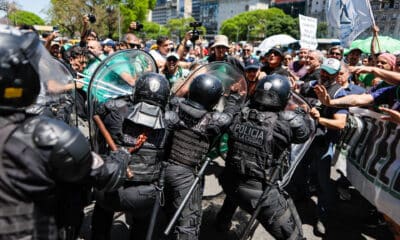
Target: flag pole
[373, 24]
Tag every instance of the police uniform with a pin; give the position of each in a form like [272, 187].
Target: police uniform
[138, 127]
[259, 136]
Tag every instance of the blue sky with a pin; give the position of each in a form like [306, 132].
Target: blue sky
[38, 7]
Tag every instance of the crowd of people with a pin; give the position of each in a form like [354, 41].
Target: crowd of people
[162, 132]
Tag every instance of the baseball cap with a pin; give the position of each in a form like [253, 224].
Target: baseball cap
[275, 50]
[108, 42]
[331, 66]
[252, 63]
[173, 55]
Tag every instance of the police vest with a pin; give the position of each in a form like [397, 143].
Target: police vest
[16, 214]
[146, 161]
[250, 143]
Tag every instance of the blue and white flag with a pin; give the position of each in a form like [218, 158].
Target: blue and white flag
[350, 18]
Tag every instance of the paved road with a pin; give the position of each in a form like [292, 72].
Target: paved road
[350, 220]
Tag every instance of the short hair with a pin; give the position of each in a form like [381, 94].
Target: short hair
[319, 55]
[161, 40]
[336, 47]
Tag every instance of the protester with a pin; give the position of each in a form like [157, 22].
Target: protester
[314, 61]
[299, 67]
[287, 60]
[335, 52]
[172, 71]
[320, 153]
[160, 54]
[274, 62]
[343, 79]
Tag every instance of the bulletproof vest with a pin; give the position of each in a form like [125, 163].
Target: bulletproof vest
[189, 142]
[16, 212]
[250, 143]
[146, 161]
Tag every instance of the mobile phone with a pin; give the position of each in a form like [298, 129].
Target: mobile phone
[56, 29]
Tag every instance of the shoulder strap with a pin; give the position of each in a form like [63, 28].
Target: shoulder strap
[333, 90]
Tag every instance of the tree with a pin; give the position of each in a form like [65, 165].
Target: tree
[68, 14]
[19, 17]
[259, 24]
[322, 30]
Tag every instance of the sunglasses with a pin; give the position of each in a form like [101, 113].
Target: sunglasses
[134, 45]
[336, 54]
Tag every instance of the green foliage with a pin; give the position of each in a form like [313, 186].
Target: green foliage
[20, 17]
[68, 14]
[259, 24]
[322, 30]
[179, 26]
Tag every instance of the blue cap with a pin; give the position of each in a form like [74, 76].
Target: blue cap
[252, 63]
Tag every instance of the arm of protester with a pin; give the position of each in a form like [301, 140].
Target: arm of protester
[49, 39]
[388, 76]
[351, 100]
[128, 78]
[181, 48]
[85, 25]
[393, 115]
[337, 122]
[374, 41]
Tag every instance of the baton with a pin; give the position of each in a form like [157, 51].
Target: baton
[158, 203]
[186, 199]
[105, 132]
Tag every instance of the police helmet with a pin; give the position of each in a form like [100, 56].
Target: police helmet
[19, 79]
[152, 88]
[205, 91]
[272, 93]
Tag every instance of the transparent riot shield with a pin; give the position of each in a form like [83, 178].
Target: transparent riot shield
[297, 151]
[55, 80]
[232, 80]
[114, 78]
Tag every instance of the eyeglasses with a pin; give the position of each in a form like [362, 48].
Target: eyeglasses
[134, 45]
[246, 50]
[221, 47]
[336, 53]
[288, 58]
[172, 60]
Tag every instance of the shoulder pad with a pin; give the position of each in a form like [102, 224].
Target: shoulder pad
[171, 118]
[47, 131]
[118, 103]
[220, 119]
[294, 119]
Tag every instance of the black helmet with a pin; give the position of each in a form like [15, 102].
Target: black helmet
[272, 93]
[19, 79]
[205, 91]
[152, 88]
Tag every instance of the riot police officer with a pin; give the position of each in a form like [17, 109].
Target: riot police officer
[258, 136]
[190, 141]
[137, 124]
[36, 152]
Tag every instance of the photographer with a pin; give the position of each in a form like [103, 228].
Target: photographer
[87, 34]
[135, 27]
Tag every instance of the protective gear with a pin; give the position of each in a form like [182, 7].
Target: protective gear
[16, 217]
[205, 92]
[27, 70]
[70, 157]
[272, 93]
[152, 88]
[19, 82]
[147, 115]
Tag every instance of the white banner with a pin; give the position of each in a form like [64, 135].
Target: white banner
[369, 154]
[349, 17]
[308, 32]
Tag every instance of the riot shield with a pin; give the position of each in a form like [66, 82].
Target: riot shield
[232, 80]
[115, 77]
[55, 80]
[297, 151]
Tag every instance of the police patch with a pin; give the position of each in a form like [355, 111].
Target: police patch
[154, 85]
[267, 86]
[248, 134]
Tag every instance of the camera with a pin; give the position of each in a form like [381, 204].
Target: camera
[195, 24]
[92, 18]
[139, 26]
[195, 32]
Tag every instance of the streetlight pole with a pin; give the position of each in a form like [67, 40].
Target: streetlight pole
[237, 34]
